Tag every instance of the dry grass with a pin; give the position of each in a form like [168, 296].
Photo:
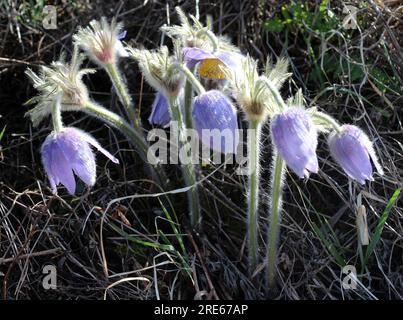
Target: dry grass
[139, 237]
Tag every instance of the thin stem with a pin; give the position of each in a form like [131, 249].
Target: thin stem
[188, 171]
[122, 92]
[253, 204]
[191, 77]
[275, 93]
[188, 103]
[118, 122]
[134, 135]
[57, 115]
[193, 195]
[211, 36]
[275, 217]
[328, 120]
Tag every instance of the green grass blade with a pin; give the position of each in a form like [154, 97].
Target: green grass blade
[138, 241]
[329, 246]
[2, 132]
[379, 228]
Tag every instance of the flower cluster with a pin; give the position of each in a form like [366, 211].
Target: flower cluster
[211, 110]
[184, 94]
[295, 136]
[67, 150]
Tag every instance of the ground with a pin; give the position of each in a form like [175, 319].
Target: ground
[117, 230]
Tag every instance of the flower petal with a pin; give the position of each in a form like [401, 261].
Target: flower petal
[46, 152]
[194, 55]
[296, 139]
[85, 169]
[88, 138]
[61, 168]
[371, 152]
[216, 122]
[120, 49]
[122, 35]
[349, 151]
[231, 59]
[160, 112]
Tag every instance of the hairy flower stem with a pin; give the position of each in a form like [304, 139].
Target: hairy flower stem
[57, 114]
[188, 103]
[275, 94]
[188, 171]
[275, 217]
[328, 120]
[213, 39]
[133, 134]
[253, 204]
[191, 78]
[122, 92]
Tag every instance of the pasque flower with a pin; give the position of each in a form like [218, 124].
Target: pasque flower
[210, 64]
[101, 41]
[67, 152]
[352, 149]
[213, 111]
[295, 137]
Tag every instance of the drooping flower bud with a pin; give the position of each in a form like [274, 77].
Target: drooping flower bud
[101, 41]
[295, 137]
[69, 152]
[352, 149]
[215, 120]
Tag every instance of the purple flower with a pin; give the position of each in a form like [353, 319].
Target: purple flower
[122, 35]
[160, 111]
[352, 149]
[194, 55]
[69, 151]
[210, 63]
[295, 137]
[215, 121]
[233, 60]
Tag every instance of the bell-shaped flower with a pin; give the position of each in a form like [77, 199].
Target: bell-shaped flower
[67, 152]
[160, 111]
[101, 41]
[210, 64]
[352, 149]
[215, 120]
[295, 137]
